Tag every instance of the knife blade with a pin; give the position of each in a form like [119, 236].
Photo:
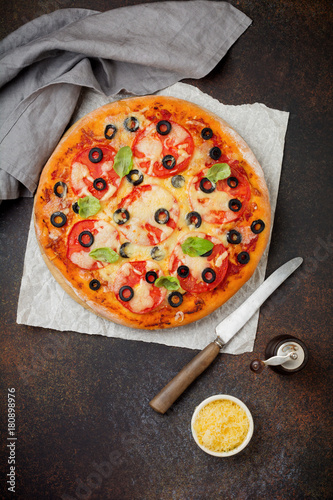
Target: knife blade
[236, 320]
[225, 331]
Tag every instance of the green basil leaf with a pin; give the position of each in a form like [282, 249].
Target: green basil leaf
[168, 282]
[195, 246]
[123, 161]
[104, 255]
[89, 205]
[218, 172]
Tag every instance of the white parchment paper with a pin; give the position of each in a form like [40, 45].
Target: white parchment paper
[42, 301]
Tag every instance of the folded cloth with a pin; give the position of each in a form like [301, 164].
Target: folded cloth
[139, 49]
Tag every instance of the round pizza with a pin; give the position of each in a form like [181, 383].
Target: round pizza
[152, 212]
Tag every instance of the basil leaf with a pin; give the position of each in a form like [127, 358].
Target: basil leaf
[104, 255]
[195, 246]
[168, 282]
[123, 161]
[89, 205]
[218, 172]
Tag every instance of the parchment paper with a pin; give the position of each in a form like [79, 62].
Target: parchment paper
[42, 301]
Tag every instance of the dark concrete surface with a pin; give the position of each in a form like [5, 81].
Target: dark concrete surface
[84, 426]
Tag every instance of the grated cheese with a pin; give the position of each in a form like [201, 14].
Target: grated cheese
[221, 425]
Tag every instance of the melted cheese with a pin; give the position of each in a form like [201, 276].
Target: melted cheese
[205, 203]
[179, 316]
[142, 299]
[220, 259]
[247, 234]
[107, 166]
[183, 155]
[78, 173]
[221, 425]
[151, 148]
[143, 210]
[110, 192]
[125, 272]
[197, 264]
[176, 137]
[151, 145]
[82, 259]
[107, 237]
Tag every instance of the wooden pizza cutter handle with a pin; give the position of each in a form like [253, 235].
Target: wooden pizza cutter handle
[168, 395]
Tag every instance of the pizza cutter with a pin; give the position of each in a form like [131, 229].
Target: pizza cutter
[225, 332]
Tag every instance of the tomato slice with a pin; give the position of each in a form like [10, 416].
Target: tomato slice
[84, 173]
[218, 206]
[92, 234]
[146, 296]
[217, 261]
[143, 204]
[150, 149]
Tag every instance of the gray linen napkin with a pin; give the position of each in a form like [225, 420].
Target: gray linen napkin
[139, 49]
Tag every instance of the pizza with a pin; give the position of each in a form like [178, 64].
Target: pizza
[152, 212]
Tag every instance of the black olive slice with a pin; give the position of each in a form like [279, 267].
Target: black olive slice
[206, 133]
[151, 277]
[58, 219]
[135, 177]
[126, 293]
[215, 153]
[86, 235]
[99, 184]
[162, 216]
[60, 189]
[163, 127]
[208, 275]
[175, 299]
[178, 181]
[94, 285]
[122, 250]
[193, 218]
[207, 186]
[234, 237]
[121, 216]
[75, 207]
[157, 253]
[243, 257]
[183, 271]
[232, 182]
[235, 205]
[169, 162]
[257, 226]
[110, 131]
[131, 124]
[95, 155]
[207, 254]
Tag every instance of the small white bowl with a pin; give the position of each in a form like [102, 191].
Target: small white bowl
[238, 448]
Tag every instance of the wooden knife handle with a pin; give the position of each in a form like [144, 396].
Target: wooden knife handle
[168, 395]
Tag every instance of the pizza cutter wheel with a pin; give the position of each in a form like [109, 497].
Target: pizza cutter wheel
[284, 354]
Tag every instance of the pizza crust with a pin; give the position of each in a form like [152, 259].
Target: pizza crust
[89, 132]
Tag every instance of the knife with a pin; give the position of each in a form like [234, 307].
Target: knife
[225, 331]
